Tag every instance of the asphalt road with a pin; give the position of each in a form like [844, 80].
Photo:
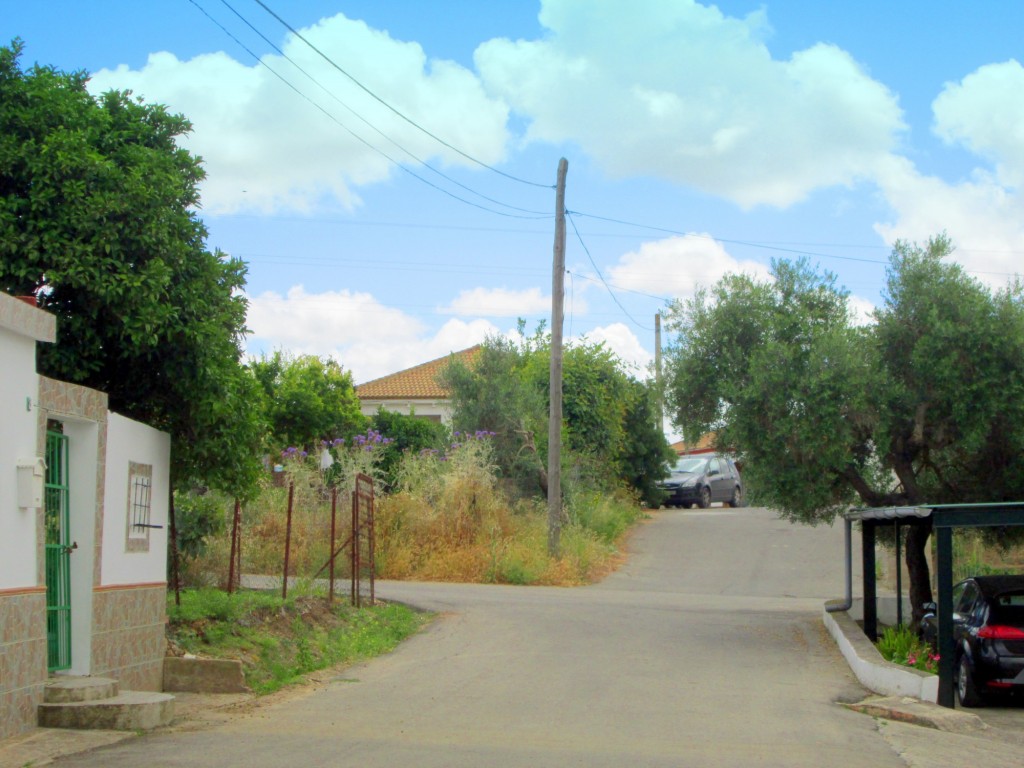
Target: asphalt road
[705, 649]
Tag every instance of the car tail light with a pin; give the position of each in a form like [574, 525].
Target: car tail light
[1001, 632]
[999, 684]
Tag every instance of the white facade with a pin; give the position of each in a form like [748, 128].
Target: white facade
[116, 485]
[135, 556]
[435, 410]
[21, 326]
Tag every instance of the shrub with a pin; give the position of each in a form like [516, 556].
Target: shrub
[901, 645]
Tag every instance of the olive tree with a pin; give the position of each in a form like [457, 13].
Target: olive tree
[923, 405]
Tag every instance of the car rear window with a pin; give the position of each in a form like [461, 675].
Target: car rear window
[1008, 608]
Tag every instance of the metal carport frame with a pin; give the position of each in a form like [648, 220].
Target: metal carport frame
[944, 518]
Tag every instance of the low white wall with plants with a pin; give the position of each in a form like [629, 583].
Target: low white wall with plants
[870, 668]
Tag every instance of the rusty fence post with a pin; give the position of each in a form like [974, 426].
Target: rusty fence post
[288, 540]
[334, 520]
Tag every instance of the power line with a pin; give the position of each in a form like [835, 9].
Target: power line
[751, 244]
[407, 119]
[605, 282]
[366, 122]
[623, 289]
[359, 138]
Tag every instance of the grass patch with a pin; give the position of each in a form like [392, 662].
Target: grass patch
[279, 641]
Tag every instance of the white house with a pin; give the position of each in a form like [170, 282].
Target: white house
[84, 496]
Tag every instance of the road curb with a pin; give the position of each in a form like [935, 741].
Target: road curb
[905, 709]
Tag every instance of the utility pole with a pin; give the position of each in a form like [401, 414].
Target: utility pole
[657, 373]
[555, 379]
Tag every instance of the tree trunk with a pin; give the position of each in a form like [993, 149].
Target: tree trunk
[918, 572]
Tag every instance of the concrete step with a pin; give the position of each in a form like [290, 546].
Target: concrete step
[62, 690]
[127, 711]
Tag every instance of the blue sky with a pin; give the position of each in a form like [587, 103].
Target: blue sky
[701, 139]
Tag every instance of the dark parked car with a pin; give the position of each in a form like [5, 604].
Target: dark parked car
[702, 480]
[988, 628]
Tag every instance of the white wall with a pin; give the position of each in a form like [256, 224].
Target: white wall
[432, 409]
[132, 441]
[19, 392]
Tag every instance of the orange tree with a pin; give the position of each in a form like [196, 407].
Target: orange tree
[98, 221]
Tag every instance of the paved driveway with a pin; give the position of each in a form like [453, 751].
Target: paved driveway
[706, 649]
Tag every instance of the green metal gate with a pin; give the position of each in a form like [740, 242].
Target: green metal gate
[58, 554]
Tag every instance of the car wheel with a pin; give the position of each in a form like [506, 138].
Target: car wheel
[737, 497]
[687, 504]
[966, 689]
[705, 498]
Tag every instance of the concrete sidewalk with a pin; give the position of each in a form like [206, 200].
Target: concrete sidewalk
[192, 711]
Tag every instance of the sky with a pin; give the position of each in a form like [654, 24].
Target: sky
[386, 168]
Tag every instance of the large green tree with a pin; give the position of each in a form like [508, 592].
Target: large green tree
[98, 221]
[309, 399]
[610, 431]
[923, 405]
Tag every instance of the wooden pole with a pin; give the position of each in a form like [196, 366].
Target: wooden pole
[555, 380]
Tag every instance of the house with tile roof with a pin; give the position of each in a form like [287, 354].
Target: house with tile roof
[705, 444]
[415, 390]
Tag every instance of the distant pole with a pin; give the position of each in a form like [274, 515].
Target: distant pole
[657, 372]
[555, 381]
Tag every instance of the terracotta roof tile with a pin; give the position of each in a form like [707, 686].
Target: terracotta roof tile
[706, 444]
[420, 381]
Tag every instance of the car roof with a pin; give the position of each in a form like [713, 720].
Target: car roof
[996, 585]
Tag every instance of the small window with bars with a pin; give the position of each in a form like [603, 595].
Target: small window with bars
[140, 490]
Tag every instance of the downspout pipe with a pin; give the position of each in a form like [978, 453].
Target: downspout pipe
[835, 606]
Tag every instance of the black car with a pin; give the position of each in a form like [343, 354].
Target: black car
[988, 629]
[702, 480]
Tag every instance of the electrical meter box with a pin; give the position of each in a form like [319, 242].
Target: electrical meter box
[31, 475]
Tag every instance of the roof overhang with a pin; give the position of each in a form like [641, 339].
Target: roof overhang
[946, 515]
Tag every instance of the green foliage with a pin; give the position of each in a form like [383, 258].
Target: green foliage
[493, 395]
[278, 640]
[925, 405]
[778, 371]
[197, 518]
[309, 399]
[901, 645]
[98, 221]
[217, 605]
[408, 434]
[606, 515]
[609, 420]
[646, 455]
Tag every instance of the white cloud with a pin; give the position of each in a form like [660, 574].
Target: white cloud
[985, 113]
[366, 337]
[861, 309]
[499, 302]
[624, 343]
[983, 214]
[680, 91]
[677, 266]
[982, 217]
[268, 149]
